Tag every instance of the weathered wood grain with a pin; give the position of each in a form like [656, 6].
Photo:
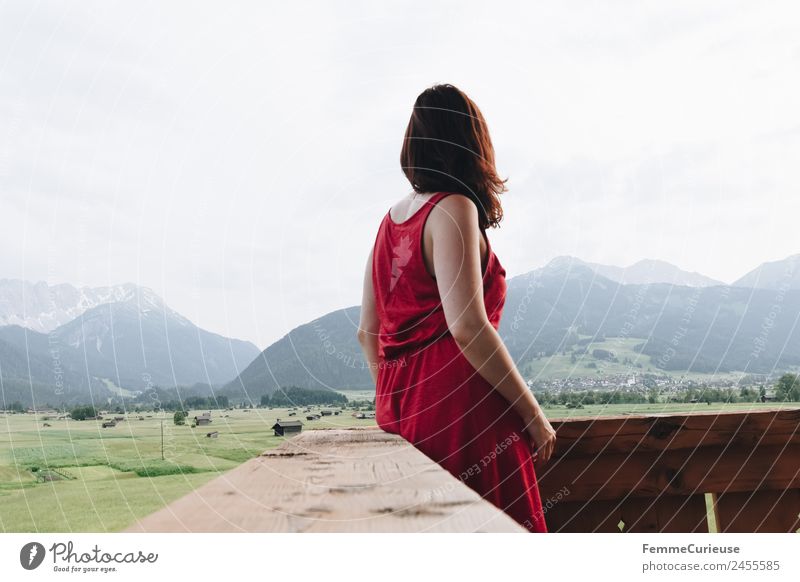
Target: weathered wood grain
[681, 472]
[759, 511]
[660, 432]
[639, 515]
[344, 480]
[651, 472]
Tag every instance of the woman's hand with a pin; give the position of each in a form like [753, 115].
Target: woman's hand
[543, 438]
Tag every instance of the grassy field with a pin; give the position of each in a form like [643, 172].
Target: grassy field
[106, 478]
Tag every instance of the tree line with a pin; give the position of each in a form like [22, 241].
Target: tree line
[296, 396]
[787, 389]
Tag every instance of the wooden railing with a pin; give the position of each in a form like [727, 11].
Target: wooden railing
[726, 472]
[735, 471]
[339, 480]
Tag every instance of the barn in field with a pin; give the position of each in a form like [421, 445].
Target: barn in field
[203, 419]
[287, 427]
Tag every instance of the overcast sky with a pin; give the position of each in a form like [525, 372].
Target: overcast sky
[237, 158]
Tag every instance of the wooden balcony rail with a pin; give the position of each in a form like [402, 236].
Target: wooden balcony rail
[344, 480]
[652, 473]
[735, 471]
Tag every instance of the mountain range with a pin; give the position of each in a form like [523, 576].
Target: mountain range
[703, 328]
[63, 344]
[648, 271]
[776, 275]
[42, 307]
[131, 342]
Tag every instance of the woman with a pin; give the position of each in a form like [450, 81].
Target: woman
[433, 295]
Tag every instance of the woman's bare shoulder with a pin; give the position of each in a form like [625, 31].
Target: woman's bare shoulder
[456, 208]
[448, 221]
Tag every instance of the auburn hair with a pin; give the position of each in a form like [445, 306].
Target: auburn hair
[447, 148]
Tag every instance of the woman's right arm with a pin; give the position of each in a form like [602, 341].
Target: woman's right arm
[455, 240]
[369, 325]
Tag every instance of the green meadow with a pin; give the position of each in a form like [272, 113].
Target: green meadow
[75, 476]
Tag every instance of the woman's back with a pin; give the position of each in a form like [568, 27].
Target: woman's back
[407, 297]
[406, 208]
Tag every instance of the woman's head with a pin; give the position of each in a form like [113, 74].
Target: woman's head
[447, 148]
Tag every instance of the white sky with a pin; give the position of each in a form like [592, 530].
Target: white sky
[237, 158]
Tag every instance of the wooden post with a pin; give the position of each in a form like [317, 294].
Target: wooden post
[715, 514]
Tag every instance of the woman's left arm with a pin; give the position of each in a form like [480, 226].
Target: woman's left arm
[368, 326]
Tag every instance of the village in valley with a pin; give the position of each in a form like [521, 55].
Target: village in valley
[668, 387]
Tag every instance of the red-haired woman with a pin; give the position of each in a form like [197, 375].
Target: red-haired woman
[433, 295]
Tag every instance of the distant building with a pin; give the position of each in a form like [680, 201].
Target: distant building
[287, 427]
[203, 419]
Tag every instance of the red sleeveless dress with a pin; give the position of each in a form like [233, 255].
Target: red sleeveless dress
[429, 393]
